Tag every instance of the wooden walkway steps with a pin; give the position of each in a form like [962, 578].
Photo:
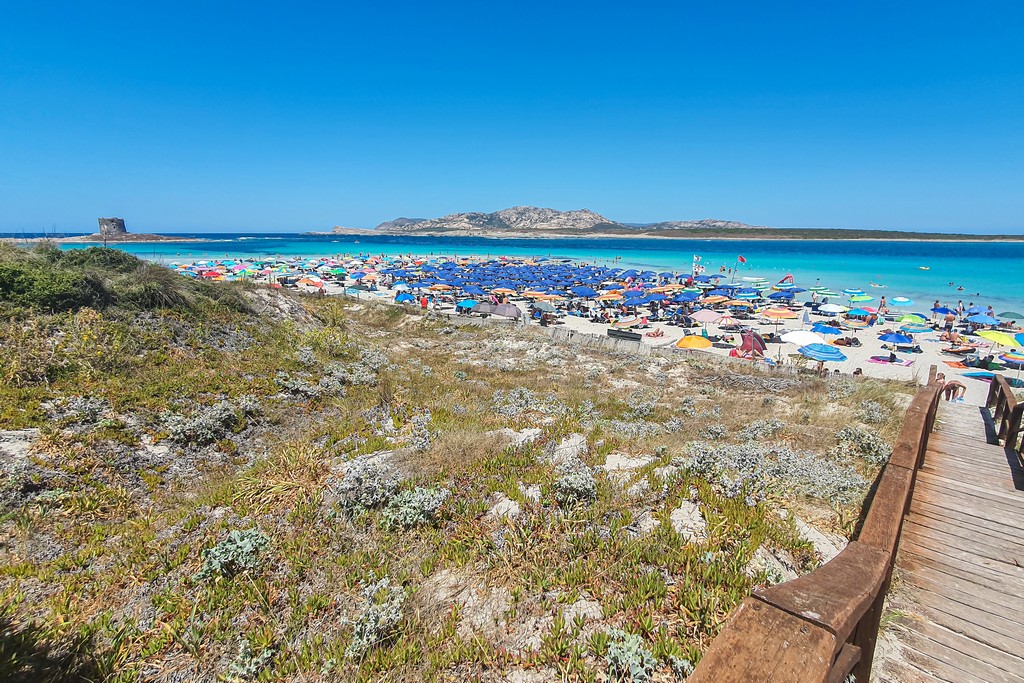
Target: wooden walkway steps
[957, 599]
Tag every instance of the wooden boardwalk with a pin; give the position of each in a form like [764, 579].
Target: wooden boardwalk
[957, 599]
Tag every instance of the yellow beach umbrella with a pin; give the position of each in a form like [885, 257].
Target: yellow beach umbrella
[503, 290]
[712, 300]
[610, 296]
[999, 337]
[693, 341]
[779, 314]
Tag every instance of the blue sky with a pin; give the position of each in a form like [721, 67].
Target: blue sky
[262, 116]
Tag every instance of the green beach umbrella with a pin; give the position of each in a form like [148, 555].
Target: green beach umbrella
[827, 292]
[1012, 315]
[818, 288]
[861, 298]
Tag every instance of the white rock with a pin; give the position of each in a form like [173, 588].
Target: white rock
[617, 461]
[688, 522]
[587, 610]
[666, 472]
[645, 523]
[530, 493]
[503, 508]
[572, 447]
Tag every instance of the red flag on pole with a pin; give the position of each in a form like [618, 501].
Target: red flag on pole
[741, 259]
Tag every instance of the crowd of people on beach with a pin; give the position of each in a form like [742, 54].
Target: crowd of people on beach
[747, 313]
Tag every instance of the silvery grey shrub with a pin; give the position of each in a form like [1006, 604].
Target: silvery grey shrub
[237, 553]
[863, 443]
[380, 616]
[414, 508]
[366, 485]
[575, 484]
[760, 429]
[628, 660]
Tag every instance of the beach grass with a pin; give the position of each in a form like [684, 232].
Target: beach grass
[261, 486]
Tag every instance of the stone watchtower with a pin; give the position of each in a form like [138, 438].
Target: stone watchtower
[112, 227]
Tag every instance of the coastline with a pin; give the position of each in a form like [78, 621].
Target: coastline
[986, 239]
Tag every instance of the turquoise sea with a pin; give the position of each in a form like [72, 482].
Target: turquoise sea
[990, 273]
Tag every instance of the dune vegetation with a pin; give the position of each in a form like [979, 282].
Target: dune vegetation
[225, 482]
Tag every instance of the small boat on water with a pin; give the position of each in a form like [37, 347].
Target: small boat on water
[924, 268]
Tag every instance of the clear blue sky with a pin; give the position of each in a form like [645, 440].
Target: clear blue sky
[258, 116]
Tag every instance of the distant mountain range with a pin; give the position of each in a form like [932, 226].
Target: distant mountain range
[532, 221]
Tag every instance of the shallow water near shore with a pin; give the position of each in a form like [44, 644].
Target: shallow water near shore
[990, 273]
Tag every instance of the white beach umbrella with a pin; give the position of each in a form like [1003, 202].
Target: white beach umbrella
[802, 338]
[832, 308]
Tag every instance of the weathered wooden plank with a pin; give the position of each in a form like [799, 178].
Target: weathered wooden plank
[964, 493]
[1001, 603]
[903, 672]
[961, 654]
[763, 643]
[970, 621]
[938, 668]
[1005, 490]
[976, 549]
[836, 594]
[941, 552]
[987, 529]
[968, 534]
[913, 565]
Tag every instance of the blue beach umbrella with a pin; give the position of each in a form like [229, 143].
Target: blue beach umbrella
[901, 301]
[894, 338]
[982, 319]
[467, 303]
[822, 352]
[825, 329]
[403, 297]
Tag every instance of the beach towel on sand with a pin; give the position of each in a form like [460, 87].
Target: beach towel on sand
[884, 360]
[954, 364]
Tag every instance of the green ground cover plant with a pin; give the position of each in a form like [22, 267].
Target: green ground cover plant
[454, 503]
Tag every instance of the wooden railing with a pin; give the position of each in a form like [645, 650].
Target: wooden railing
[1007, 412]
[822, 626]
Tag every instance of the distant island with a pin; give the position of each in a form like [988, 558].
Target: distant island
[536, 222]
[111, 230]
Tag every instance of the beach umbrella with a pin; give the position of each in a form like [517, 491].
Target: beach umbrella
[822, 352]
[693, 341]
[818, 288]
[780, 295]
[822, 328]
[852, 291]
[717, 299]
[832, 308]
[915, 328]
[706, 316]
[911, 318]
[982, 319]
[861, 298]
[894, 338]
[508, 310]
[544, 306]
[974, 309]
[855, 324]
[583, 291]
[802, 338]
[901, 301]
[1011, 315]
[1003, 338]
[466, 303]
[858, 312]
[942, 310]
[779, 314]
[484, 307]
[403, 297]
[753, 342]
[828, 292]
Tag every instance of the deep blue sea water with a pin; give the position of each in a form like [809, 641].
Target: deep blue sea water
[990, 273]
